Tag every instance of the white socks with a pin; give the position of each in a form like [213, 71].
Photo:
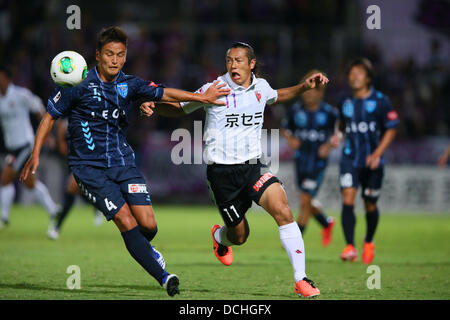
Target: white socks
[43, 196]
[221, 236]
[7, 194]
[292, 241]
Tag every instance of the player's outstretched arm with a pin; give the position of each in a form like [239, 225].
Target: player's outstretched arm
[174, 109]
[33, 162]
[443, 158]
[334, 142]
[292, 141]
[290, 93]
[210, 96]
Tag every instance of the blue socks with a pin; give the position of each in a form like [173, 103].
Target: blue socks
[322, 219]
[69, 199]
[372, 222]
[141, 250]
[148, 234]
[348, 223]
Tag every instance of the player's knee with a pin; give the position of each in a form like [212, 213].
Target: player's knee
[348, 196]
[30, 182]
[124, 220]
[348, 200]
[6, 177]
[305, 206]
[370, 206]
[284, 214]
[148, 226]
[239, 234]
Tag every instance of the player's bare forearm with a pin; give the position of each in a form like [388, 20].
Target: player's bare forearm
[292, 141]
[176, 95]
[334, 142]
[324, 150]
[386, 140]
[290, 93]
[210, 96]
[285, 133]
[44, 128]
[443, 158]
[312, 82]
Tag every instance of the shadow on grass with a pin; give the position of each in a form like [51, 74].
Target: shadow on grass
[84, 289]
[214, 291]
[117, 291]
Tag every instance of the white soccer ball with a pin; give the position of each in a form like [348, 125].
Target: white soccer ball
[68, 69]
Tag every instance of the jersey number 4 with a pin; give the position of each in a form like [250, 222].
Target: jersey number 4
[110, 205]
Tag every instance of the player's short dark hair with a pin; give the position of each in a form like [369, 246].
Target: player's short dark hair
[366, 64]
[111, 34]
[6, 70]
[250, 55]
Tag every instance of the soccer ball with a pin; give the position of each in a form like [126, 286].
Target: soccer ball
[68, 69]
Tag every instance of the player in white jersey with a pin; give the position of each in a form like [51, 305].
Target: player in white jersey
[236, 176]
[16, 103]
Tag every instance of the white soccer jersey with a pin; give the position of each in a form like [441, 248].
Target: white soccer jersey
[232, 133]
[15, 107]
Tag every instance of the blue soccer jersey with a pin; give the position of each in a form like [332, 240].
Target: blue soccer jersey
[365, 122]
[97, 112]
[313, 128]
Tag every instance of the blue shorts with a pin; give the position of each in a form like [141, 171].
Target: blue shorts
[108, 189]
[370, 180]
[310, 182]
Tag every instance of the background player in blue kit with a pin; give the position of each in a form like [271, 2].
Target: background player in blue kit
[369, 122]
[100, 157]
[310, 130]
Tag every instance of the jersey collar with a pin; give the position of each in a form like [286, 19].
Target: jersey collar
[234, 86]
[372, 92]
[115, 80]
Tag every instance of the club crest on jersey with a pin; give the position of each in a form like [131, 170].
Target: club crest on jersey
[347, 108]
[370, 105]
[122, 89]
[300, 119]
[258, 96]
[321, 118]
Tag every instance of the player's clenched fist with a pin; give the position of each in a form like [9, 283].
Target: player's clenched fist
[147, 108]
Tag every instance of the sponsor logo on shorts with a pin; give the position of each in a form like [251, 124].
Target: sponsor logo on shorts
[257, 186]
[372, 192]
[309, 184]
[56, 98]
[137, 188]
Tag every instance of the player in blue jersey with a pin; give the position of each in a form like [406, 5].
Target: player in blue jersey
[369, 123]
[310, 129]
[100, 157]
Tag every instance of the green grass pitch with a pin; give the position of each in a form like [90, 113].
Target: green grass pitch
[413, 253]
